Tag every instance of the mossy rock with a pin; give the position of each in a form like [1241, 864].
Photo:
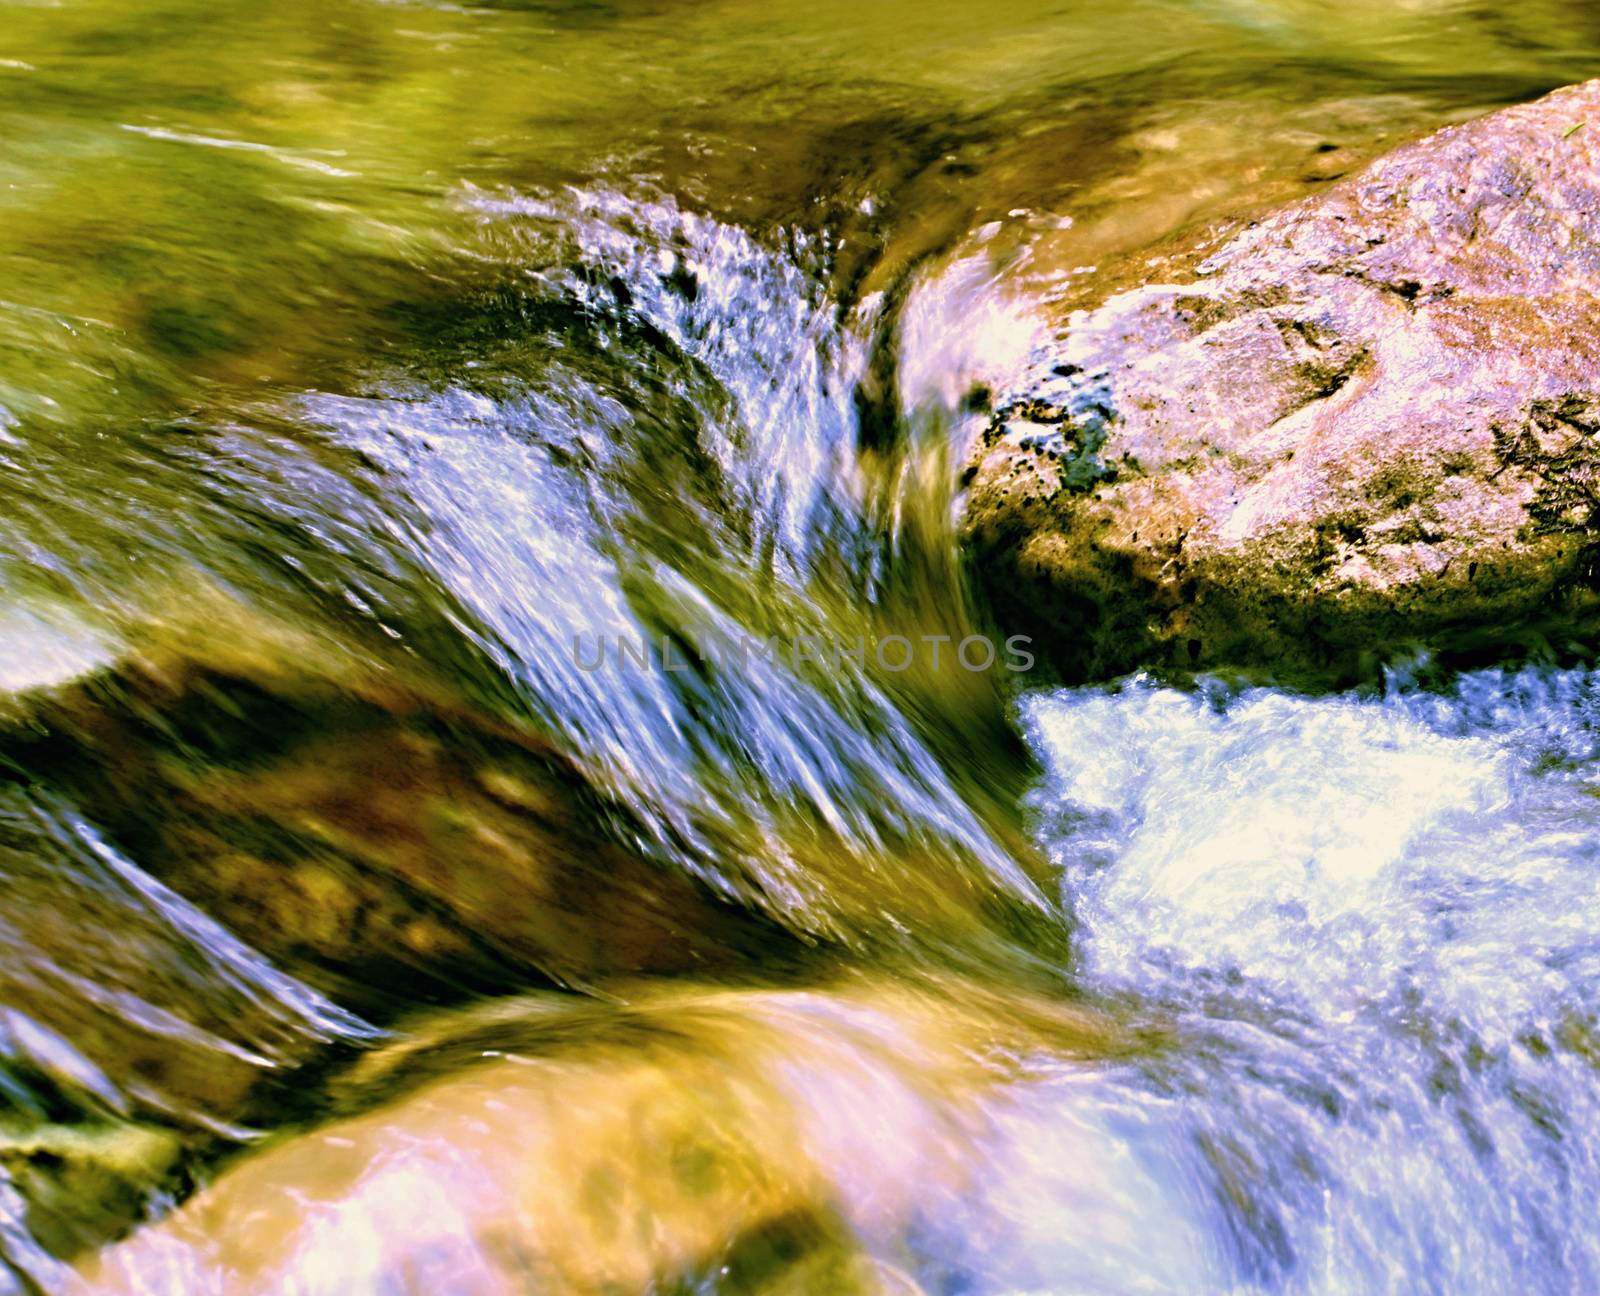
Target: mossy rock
[1360, 424]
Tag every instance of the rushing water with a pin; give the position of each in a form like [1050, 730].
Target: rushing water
[408, 410]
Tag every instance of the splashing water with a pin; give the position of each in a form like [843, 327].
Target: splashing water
[1366, 914]
[376, 921]
[567, 525]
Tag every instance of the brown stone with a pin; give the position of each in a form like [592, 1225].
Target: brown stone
[368, 830]
[783, 1141]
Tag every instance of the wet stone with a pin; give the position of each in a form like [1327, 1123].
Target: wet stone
[1360, 423]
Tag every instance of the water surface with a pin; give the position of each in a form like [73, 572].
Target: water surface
[358, 359]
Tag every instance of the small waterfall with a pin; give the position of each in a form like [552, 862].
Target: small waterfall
[663, 453]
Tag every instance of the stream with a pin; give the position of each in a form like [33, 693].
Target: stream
[495, 795]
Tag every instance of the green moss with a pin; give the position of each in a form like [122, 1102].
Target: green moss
[86, 1184]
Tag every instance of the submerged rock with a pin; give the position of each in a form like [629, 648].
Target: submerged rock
[1369, 420]
[237, 849]
[363, 826]
[223, 843]
[683, 1139]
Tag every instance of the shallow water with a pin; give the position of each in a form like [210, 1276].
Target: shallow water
[398, 403]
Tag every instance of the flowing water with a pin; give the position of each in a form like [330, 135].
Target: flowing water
[459, 466]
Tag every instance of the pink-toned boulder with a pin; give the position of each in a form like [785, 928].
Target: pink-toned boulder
[1369, 420]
